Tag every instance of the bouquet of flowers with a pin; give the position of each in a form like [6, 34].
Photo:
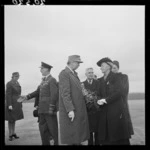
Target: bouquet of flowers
[90, 97]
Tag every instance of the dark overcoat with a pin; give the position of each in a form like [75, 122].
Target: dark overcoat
[13, 91]
[92, 112]
[71, 99]
[125, 90]
[111, 119]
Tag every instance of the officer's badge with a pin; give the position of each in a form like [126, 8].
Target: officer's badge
[45, 83]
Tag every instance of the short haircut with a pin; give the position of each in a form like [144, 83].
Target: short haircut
[88, 69]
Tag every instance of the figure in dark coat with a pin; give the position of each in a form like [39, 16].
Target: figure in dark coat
[47, 106]
[13, 109]
[73, 119]
[46, 134]
[113, 128]
[125, 91]
[91, 85]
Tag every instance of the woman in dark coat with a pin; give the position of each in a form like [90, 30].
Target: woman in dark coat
[112, 125]
[125, 90]
[13, 109]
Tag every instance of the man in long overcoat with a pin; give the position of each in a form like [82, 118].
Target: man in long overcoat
[73, 119]
[112, 128]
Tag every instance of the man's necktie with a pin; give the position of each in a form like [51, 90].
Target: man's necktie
[44, 78]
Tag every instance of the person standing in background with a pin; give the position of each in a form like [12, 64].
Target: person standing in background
[125, 91]
[73, 118]
[13, 109]
[91, 85]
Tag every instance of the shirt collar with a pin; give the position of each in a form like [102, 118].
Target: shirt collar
[46, 76]
[90, 81]
[71, 69]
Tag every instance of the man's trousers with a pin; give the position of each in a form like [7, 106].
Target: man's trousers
[48, 127]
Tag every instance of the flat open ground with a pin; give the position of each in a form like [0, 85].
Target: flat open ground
[27, 128]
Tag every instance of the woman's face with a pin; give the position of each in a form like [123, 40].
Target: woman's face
[115, 69]
[15, 77]
[104, 67]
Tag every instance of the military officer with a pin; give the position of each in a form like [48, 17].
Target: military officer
[48, 99]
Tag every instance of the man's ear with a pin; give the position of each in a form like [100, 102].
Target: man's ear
[86, 74]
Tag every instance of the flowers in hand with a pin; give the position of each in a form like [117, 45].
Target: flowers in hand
[90, 96]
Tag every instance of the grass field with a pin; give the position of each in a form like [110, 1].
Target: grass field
[27, 128]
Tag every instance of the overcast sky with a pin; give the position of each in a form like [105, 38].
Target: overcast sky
[52, 33]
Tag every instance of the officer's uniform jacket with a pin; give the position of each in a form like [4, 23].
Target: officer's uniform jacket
[48, 94]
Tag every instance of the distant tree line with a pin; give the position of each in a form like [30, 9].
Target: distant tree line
[136, 96]
[131, 96]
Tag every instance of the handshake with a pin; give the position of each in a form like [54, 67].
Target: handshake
[22, 98]
[101, 102]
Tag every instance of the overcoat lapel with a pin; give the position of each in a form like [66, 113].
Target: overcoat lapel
[48, 78]
[74, 78]
[108, 78]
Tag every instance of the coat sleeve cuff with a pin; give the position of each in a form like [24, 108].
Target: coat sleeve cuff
[28, 96]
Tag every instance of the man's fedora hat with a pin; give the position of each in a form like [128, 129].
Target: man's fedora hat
[15, 74]
[74, 58]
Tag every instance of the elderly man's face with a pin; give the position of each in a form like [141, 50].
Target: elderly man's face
[75, 65]
[115, 69]
[89, 74]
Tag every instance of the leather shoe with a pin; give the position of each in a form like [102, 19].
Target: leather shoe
[10, 137]
[15, 136]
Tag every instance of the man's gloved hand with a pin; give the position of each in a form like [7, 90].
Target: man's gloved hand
[10, 108]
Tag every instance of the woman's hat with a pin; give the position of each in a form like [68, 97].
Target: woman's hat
[15, 74]
[115, 62]
[106, 60]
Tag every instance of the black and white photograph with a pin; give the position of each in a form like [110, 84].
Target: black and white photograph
[74, 75]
